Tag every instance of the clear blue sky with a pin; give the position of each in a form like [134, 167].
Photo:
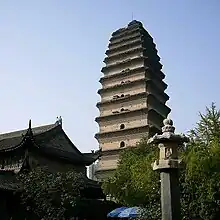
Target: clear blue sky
[51, 53]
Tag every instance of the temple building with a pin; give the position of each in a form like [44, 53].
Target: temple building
[133, 98]
[45, 146]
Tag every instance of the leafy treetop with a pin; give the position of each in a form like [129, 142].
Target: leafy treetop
[136, 184]
[49, 195]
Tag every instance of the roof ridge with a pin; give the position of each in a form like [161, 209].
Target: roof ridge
[18, 133]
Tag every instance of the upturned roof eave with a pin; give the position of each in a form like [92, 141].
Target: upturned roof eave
[75, 157]
[17, 146]
[78, 158]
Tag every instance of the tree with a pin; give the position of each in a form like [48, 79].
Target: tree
[200, 181]
[208, 127]
[135, 183]
[201, 177]
[49, 195]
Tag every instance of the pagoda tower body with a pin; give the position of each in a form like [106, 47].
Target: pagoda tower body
[133, 101]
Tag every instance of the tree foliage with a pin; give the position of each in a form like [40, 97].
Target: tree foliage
[208, 127]
[201, 177]
[49, 195]
[135, 183]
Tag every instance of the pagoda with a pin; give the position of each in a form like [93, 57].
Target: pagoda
[133, 98]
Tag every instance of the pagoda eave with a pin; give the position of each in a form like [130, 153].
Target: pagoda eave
[126, 72]
[129, 71]
[124, 98]
[125, 38]
[120, 54]
[105, 117]
[125, 43]
[141, 129]
[123, 47]
[120, 34]
[146, 95]
[111, 133]
[133, 51]
[129, 83]
[122, 30]
[115, 151]
[126, 113]
[121, 85]
[122, 63]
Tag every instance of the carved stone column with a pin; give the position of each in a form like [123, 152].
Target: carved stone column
[168, 165]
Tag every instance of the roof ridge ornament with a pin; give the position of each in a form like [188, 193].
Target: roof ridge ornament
[29, 130]
[59, 121]
[29, 125]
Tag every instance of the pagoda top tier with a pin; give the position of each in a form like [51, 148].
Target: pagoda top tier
[130, 25]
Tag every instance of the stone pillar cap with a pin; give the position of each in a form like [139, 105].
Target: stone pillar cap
[168, 134]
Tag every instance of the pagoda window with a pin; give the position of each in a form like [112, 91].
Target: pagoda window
[115, 96]
[122, 144]
[122, 126]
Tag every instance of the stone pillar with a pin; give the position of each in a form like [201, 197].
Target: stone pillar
[168, 165]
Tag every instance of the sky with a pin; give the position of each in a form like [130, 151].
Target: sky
[52, 51]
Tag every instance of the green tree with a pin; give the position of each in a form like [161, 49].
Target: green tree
[201, 177]
[208, 127]
[49, 195]
[135, 183]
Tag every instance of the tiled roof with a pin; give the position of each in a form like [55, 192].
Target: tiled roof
[12, 139]
[50, 140]
[56, 143]
[8, 181]
[35, 130]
